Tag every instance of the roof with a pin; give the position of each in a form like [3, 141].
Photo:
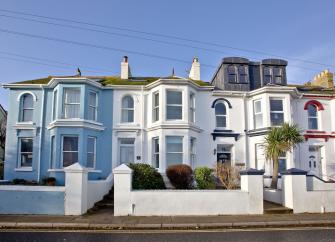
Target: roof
[113, 80]
[313, 89]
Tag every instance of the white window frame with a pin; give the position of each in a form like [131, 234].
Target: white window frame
[258, 113]
[277, 99]
[94, 152]
[174, 105]
[54, 104]
[65, 103]
[53, 152]
[193, 153]
[192, 107]
[155, 107]
[221, 115]
[155, 153]
[127, 109]
[125, 145]
[63, 136]
[316, 117]
[19, 165]
[22, 108]
[182, 147]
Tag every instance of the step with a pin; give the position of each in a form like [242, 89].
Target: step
[108, 197]
[103, 204]
[273, 208]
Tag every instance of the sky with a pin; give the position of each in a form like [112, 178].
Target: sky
[159, 36]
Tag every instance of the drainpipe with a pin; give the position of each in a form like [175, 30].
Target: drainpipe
[41, 135]
[245, 131]
[142, 124]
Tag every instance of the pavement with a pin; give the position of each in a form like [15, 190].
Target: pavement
[104, 220]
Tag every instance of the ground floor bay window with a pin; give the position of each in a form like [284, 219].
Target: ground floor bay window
[174, 150]
[70, 150]
[126, 150]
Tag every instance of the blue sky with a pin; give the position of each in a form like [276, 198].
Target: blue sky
[294, 30]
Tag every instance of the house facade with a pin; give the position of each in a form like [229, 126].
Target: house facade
[102, 122]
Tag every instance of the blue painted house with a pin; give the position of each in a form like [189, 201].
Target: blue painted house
[55, 122]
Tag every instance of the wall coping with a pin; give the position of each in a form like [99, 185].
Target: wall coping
[32, 188]
[294, 171]
[122, 169]
[252, 171]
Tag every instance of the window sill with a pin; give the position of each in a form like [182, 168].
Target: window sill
[24, 169]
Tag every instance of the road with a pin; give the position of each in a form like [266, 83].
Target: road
[273, 235]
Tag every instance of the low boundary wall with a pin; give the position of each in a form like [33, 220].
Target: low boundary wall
[248, 200]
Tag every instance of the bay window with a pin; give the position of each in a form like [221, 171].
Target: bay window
[91, 152]
[258, 115]
[54, 107]
[155, 152]
[155, 107]
[71, 103]
[174, 105]
[174, 150]
[192, 108]
[92, 106]
[276, 112]
[70, 150]
[192, 152]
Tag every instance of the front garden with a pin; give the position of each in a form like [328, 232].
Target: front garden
[183, 177]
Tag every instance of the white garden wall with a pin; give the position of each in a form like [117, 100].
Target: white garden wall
[248, 200]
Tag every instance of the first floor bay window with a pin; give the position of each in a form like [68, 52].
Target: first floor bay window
[174, 150]
[70, 150]
[174, 105]
[25, 152]
[71, 103]
[276, 112]
[192, 152]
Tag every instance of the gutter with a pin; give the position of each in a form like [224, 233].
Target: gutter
[41, 135]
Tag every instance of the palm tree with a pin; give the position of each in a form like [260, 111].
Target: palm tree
[280, 140]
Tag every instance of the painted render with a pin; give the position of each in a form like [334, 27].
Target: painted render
[240, 137]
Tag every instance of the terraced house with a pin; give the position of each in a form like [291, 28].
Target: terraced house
[101, 122]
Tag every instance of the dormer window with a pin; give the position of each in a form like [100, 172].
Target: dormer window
[278, 75]
[243, 74]
[267, 75]
[232, 77]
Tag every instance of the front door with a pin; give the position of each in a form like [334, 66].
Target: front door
[314, 160]
[223, 154]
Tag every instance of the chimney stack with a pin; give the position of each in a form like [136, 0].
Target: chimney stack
[125, 69]
[195, 69]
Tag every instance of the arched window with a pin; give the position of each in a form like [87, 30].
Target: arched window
[127, 110]
[312, 117]
[220, 115]
[26, 108]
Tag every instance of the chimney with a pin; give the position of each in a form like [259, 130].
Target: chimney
[125, 69]
[195, 69]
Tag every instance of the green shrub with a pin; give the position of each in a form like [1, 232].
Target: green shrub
[180, 176]
[146, 177]
[204, 178]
